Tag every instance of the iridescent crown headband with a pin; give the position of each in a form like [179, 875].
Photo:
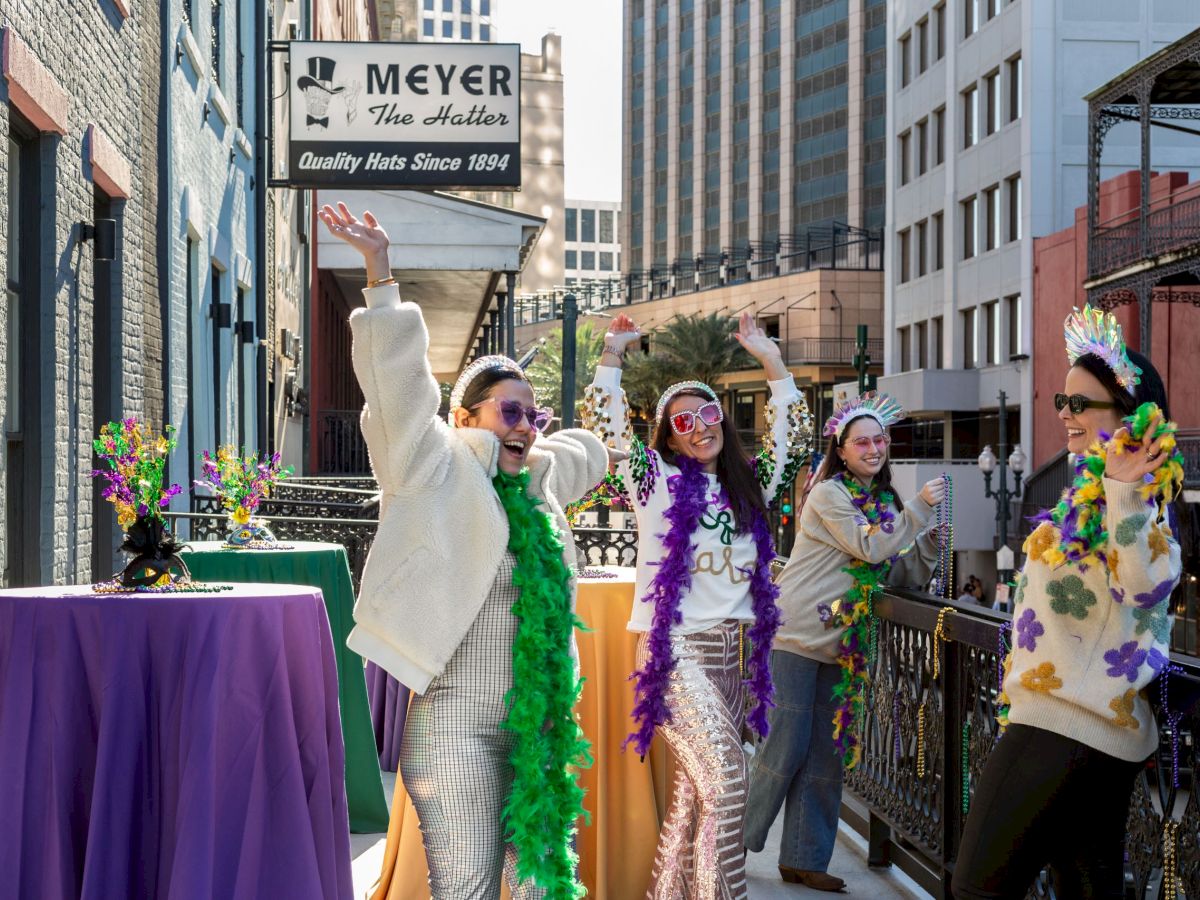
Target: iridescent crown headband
[676, 388]
[468, 375]
[880, 407]
[1099, 333]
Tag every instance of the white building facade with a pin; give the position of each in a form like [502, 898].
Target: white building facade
[458, 20]
[591, 245]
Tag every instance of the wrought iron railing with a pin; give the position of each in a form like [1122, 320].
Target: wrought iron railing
[1172, 225]
[341, 449]
[828, 350]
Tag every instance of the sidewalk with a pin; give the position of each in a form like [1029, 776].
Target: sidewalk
[849, 862]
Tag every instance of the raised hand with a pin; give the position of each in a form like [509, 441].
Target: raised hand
[761, 347]
[934, 492]
[1130, 460]
[621, 333]
[366, 236]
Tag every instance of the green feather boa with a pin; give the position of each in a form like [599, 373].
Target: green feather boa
[539, 817]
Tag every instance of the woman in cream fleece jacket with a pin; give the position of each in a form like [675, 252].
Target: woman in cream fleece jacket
[848, 520]
[1091, 625]
[472, 546]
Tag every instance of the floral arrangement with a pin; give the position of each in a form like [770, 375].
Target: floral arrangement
[242, 482]
[134, 463]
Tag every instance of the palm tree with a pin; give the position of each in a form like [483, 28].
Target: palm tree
[645, 377]
[545, 372]
[701, 347]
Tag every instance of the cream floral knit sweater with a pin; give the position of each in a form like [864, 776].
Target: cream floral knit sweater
[1088, 639]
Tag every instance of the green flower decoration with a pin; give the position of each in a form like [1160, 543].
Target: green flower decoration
[1019, 594]
[1156, 621]
[1070, 598]
[1129, 529]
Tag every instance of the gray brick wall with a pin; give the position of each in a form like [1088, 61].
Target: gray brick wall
[110, 67]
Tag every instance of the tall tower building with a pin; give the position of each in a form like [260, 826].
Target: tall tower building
[748, 122]
[437, 20]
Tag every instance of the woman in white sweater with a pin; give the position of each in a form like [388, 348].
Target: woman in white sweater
[703, 574]
[855, 534]
[468, 596]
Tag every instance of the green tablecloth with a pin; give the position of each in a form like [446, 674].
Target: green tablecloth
[321, 566]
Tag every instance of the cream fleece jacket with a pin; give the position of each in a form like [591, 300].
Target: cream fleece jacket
[443, 531]
[1087, 641]
[834, 535]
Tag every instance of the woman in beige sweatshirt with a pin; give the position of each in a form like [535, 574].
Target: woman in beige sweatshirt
[852, 520]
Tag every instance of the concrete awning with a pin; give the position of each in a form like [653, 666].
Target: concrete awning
[447, 253]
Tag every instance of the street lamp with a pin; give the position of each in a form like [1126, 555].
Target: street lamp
[988, 462]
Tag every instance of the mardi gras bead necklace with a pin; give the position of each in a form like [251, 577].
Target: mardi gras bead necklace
[943, 584]
[939, 637]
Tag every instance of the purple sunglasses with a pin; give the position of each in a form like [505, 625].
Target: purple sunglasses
[511, 412]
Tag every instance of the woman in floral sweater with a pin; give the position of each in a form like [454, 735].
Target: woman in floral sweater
[1092, 621]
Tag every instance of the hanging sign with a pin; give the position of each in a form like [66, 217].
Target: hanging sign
[404, 115]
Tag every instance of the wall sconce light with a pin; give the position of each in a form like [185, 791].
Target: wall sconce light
[104, 233]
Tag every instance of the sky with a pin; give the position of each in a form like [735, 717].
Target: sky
[591, 49]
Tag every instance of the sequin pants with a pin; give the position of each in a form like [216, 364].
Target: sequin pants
[454, 759]
[700, 854]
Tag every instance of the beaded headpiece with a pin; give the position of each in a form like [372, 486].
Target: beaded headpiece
[1099, 333]
[880, 407]
[474, 369]
[674, 389]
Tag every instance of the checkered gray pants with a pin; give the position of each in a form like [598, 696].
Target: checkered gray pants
[455, 758]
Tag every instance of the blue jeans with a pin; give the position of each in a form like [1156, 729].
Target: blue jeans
[797, 765]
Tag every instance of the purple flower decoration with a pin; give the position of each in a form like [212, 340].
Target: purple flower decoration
[1157, 661]
[1125, 661]
[1155, 595]
[1029, 629]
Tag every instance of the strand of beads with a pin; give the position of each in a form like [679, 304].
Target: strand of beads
[1002, 651]
[966, 767]
[742, 651]
[176, 587]
[921, 741]
[1172, 718]
[939, 635]
[1170, 839]
[944, 584]
[896, 723]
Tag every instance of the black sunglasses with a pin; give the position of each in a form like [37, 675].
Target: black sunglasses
[1079, 403]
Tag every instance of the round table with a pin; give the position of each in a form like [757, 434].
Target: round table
[170, 745]
[626, 797]
[324, 566]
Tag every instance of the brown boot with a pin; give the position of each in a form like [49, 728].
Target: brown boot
[818, 881]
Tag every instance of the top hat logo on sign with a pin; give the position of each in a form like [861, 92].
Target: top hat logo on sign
[319, 90]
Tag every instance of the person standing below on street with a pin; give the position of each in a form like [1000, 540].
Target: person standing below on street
[1091, 629]
[855, 534]
[703, 576]
[468, 596]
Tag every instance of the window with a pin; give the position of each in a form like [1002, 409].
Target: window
[903, 345]
[587, 226]
[939, 31]
[922, 255]
[465, 6]
[1013, 187]
[427, 28]
[922, 146]
[572, 260]
[991, 92]
[993, 9]
[606, 261]
[970, 228]
[218, 29]
[991, 320]
[939, 241]
[970, 114]
[485, 7]
[448, 6]
[969, 339]
[485, 32]
[571, 229]
[1014, 88]
[922, 45]
[466, 31]
[937, 343]
[904, 250]
[991, 207]
[219, 436]
[920, 346]
[970, 17]
[587, 260]
[904, 154]
[606, 226]
[448, 28]
[939, 135]
[1014, 324]
[905, 60]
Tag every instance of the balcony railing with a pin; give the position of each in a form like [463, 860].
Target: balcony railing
[835, 351]
[1171, 225]
[341, 449]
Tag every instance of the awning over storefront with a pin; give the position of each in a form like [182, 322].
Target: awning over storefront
[448, 254]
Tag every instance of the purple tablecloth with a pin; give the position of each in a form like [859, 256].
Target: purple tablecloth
[389, 706]
[170, 746]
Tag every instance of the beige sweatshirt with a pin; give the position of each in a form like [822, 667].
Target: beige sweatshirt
[834, 535]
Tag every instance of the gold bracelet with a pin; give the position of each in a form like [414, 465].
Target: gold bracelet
[379, 282]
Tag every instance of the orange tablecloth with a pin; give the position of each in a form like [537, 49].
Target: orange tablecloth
[626, 797]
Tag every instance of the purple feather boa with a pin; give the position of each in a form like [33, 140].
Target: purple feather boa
[672, 581]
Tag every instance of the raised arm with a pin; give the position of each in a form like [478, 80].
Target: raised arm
[787, 440]
[390, 353]
[849, 530]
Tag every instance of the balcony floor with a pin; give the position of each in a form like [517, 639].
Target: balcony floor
[849, 862]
